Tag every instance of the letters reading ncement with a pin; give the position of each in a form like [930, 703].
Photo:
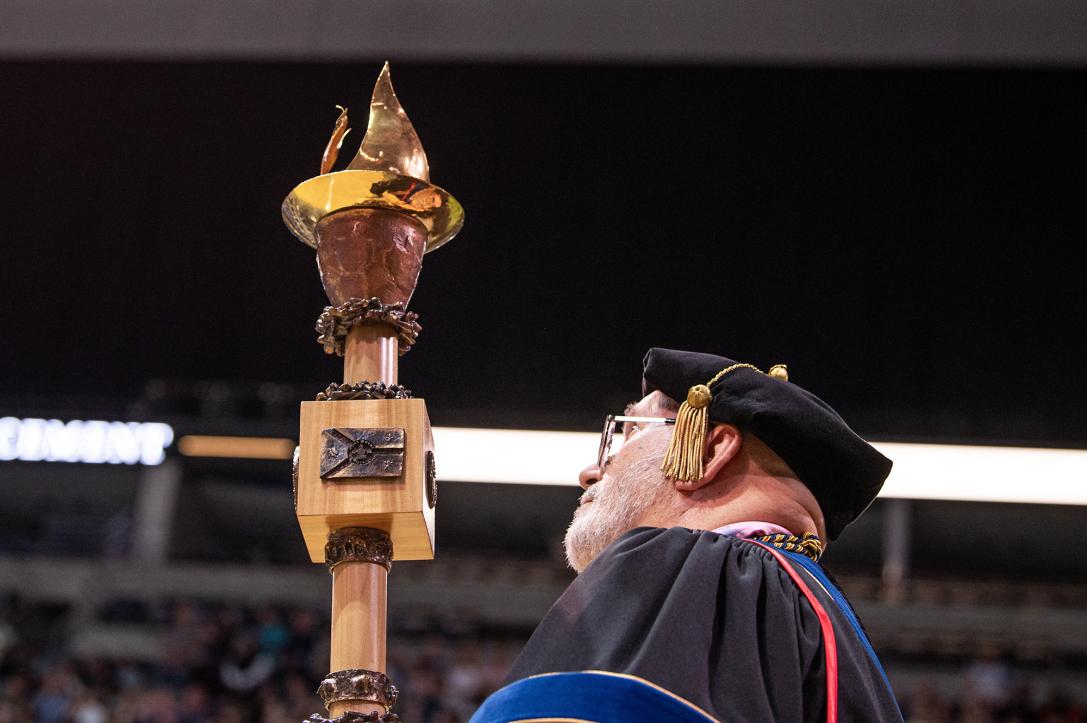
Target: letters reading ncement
[94, 442]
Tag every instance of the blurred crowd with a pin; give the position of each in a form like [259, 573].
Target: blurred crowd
[1017, 703]
[991, 689]
[231, 664]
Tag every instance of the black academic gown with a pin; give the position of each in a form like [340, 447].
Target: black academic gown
[718, 621]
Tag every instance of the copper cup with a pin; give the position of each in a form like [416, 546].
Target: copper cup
[370, 252]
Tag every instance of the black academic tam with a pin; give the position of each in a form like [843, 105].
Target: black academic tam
[843, 471]
[733, 629]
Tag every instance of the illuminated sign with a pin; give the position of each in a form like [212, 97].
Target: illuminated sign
[93, 442]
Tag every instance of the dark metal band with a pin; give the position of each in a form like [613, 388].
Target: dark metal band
[431, 480]
[294, 477]
[352, 717]
[363, 390]
[369, 686]
[359, 544]
[336, 321]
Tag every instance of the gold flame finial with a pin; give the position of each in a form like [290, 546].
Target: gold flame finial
[391, 143]
[389, 171]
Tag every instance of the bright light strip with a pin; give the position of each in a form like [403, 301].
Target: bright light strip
[90, 442]
[986, 474]
[196, 445]
[921, 471]
[515, 456]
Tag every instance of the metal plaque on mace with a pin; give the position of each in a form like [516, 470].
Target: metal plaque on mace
[368, 452]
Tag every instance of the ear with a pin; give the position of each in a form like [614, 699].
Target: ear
[722, 445]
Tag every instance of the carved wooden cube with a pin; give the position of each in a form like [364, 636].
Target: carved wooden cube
[377, 461]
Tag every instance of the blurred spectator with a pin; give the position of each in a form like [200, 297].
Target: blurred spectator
[54, 695]
[245, 666]
[89, 708]
[272, 633]
[989, 677]
[194, 705]
[925, 705]
[464, 680]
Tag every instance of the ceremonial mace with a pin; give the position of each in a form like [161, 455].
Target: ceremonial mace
[364, 479]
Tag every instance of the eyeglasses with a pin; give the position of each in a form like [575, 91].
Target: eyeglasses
[610, 444]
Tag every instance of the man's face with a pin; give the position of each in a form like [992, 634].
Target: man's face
[619, 497]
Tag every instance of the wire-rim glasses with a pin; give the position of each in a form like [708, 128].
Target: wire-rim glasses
[613, 422]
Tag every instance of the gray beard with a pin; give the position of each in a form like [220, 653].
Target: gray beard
[618, 504]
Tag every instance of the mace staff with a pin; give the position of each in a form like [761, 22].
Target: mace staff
[364, 474]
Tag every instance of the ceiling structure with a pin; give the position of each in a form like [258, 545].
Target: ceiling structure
[963, 32]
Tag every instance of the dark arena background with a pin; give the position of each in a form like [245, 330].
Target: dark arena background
[892, 203]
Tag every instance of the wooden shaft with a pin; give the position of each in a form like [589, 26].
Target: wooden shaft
[371, 354]
[359, 609]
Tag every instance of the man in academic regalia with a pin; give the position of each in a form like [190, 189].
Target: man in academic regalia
[697, 538]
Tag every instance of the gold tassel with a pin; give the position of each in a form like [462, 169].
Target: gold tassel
[683, 460]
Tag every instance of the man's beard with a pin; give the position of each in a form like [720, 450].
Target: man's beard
[618, 504]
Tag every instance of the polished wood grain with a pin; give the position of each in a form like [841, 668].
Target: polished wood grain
[359, 610]
[397, 505]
